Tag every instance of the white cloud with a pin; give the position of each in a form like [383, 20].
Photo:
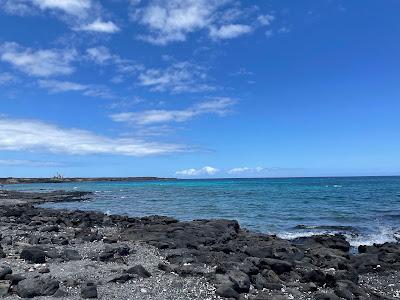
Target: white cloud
[56, 86]
[32, 135]
[85, 15]
[42, 63]
[240, 170]
[220, 106]
[100, 26]
[76, 8]
[266, 20]
[73, 7]
[99, 55]
[230, 31]
[173, 20]
[178, 78]
[197, 172]
[15, 7]
[28, 163]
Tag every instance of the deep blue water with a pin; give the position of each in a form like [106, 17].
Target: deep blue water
[365, 209]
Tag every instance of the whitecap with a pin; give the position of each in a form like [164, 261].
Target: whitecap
[384, 234]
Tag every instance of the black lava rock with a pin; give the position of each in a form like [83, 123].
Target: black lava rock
[139, 270]
[89, 290]
[37, 286]
[33, 255]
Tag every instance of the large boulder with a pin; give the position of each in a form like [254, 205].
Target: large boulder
[34, 255]
[37, 286]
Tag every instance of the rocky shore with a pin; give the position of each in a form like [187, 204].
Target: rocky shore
[61, 254]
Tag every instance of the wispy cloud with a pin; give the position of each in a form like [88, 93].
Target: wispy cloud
[123, 68]
[172, 21]
[86, 15]
[178, 78]
[266, 19]
[219, 106]
[56, 86]
[28, 163]
[100, 54]
[32, 135]
[7, 78]
[100, 26]
[230, 31]
[198, 172]
[41, 63]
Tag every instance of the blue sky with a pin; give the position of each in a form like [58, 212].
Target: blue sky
[199, 89]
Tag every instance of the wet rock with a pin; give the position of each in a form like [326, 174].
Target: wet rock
[37, 286]
[89, 290]
[139, 270]
[33, 255]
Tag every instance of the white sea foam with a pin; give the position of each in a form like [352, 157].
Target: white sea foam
[297, 234]
[382, 235]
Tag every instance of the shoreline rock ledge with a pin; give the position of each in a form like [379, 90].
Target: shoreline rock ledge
[62, 254]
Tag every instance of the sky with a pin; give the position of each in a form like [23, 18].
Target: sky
[199, 88]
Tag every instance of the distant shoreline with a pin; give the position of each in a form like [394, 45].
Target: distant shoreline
[20, 180]
[12, 180]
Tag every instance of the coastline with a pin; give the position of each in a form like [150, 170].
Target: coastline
[12, 180]
[202, 259]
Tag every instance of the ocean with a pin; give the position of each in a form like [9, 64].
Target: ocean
[365, 209]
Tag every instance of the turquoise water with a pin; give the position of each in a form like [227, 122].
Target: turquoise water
[365, 209]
